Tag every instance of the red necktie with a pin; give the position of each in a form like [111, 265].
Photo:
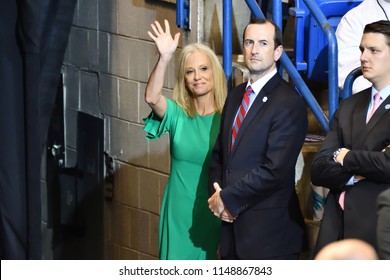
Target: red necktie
[241, 114]
[375, 105]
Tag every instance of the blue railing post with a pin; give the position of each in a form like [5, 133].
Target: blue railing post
[277, 16]
[227, 41]
[348, 83]
[332, 54]
[183, 14]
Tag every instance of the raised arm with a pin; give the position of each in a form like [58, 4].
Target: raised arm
[166, 45]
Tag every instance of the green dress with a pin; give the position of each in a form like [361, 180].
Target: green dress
[188, 230]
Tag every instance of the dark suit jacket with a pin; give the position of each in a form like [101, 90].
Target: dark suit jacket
[366, 142]
[258, 175]
[383, 229]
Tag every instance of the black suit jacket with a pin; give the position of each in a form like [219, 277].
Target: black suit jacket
[366, 158]
[258, 175]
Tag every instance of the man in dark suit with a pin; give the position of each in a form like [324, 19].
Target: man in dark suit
[252, 174]
[354, 160]
[383, 228]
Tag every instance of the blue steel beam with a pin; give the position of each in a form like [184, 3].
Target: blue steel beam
[227, 41]
[183, 14]
[348, 83]
[332, 54]
[277, 13]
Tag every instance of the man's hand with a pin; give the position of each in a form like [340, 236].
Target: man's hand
[341, 155]
[226, 216]
[217, 206]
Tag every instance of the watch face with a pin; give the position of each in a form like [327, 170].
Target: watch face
[335, 153]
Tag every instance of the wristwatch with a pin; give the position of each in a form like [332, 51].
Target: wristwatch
[336, 153]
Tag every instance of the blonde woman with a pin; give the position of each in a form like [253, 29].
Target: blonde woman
[187, 230]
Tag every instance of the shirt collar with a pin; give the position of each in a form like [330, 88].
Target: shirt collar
[259, 84]
[384, 93]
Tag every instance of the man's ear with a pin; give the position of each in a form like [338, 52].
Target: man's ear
[278, 53]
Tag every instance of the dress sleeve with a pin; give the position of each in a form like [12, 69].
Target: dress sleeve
[155, 126]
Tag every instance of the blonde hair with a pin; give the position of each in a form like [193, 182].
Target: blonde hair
[180, 92]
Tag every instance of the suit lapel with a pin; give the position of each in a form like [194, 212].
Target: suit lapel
[359, 127]
[382, 110]
[379, 113]
[236, 98]
[258, 103]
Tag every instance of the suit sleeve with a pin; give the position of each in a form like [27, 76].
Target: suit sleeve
[215, 171]
[325, 171]
[215, 166]
[372, 165]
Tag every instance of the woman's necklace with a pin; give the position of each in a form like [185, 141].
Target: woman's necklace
[382, 9]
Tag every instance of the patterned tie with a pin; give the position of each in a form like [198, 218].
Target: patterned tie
[377, 98]
[241, 114]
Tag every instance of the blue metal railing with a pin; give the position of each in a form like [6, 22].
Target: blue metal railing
[348, 83]
[332, 54]
[183, 14]
[227, 40]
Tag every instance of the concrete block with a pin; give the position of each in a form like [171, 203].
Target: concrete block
[89, 93]
[138, 60]
[78, 42]
[118, 131]
[136, 149]
[108, 95]
[119, 52]
[154, 224]
[139, 230]
[127, 185]
[127, 142]
[71, 87]
[93, 51]
[150, 196]
[128, 100]
[104, 51]
[128, 18]
[108, 16]
[121, 223]
[87, 14]
[135, 17]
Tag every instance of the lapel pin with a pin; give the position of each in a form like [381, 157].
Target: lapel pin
[387, 107]
[265, 98]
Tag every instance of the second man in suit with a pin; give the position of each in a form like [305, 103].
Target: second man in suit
[252, 175]
[354, 160]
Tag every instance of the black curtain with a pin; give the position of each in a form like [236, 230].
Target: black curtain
[33, 40]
